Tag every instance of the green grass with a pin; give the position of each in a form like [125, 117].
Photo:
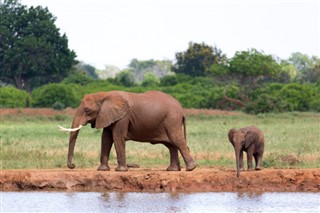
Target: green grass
[292, 141]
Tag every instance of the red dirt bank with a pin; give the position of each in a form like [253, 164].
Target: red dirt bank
[152, 180]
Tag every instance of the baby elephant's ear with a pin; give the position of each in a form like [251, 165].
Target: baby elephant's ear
[230, 135]
[113, 108]
[251, 137]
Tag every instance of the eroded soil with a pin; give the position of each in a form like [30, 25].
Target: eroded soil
[158, 180]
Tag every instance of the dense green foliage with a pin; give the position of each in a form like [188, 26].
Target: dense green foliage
[12, 97]
[200, 92]
[197, 59]
[55, 96]
[308, 69]
[32, 51]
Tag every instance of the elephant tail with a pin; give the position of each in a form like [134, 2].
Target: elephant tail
[184, 128]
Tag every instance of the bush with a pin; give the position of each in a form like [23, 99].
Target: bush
[125, 78]
[168, 80]
[297, 96]
[149, 80]
[266, 103]
[55, 95]
[315, 103]
[15, 98]
[284, 97]
[58, 106]
[78, 78]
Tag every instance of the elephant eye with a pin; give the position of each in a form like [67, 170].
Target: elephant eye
[87, 110]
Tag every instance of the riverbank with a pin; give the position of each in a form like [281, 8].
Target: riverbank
[157, 180]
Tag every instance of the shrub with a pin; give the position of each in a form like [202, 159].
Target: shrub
[315, 103]
[78, 78]
[150, 80]
[298, 96]
[54, 95]
[15, 98]
[125, 78]
[284, 97]
[168, 80]
[58, 106]
[266, 103]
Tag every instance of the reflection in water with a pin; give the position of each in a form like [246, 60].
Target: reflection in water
[158, 202]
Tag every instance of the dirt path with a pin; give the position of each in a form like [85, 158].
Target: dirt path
[157, 180]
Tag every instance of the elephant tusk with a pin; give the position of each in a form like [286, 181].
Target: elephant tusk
[69, 130]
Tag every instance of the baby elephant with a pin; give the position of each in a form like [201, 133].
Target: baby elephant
[251, 140]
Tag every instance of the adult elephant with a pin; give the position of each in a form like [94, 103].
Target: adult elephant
[250, 140]
[153, 117]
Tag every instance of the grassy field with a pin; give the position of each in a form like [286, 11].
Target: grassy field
[292, 141]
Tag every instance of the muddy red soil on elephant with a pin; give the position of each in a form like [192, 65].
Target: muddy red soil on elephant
[158, 180]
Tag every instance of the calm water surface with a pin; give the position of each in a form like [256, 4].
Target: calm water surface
[158, 202]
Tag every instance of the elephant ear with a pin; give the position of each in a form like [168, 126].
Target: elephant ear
[113, 108]
[230, 135]
[250, 137]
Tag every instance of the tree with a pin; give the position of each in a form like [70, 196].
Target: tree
[251, 66]
[197, 59]
[288, 72]
[88, 69]
[140, 68]
[248, 69]
[125, 78]
[308, 68]
[32, 51]
[149, 80]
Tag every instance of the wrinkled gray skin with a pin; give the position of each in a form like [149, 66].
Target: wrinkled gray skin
[251, 140]
[153, 117]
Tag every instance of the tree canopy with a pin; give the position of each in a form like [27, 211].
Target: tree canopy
[308, 68]
[247, 67]
[32, 51]
[197, 59]
[139, 68]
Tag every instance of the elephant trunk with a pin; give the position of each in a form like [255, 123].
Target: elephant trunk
[237, 152]
[72, 142]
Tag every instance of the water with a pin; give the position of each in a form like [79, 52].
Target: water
[158, 202]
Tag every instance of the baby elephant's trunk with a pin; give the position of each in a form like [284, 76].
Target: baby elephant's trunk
[237, 152]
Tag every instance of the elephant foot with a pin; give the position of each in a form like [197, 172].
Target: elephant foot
[122, 169]
[250, 169]
[258, 168]
[174, 168]
[241, 169]
[103, 168]
[191, 166]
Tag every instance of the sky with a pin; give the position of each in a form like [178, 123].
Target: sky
[113, 32]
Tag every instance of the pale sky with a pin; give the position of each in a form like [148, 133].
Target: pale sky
[113, 32]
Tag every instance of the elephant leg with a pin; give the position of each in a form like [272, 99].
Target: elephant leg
[249, 159]
[174, 158]
[119, 130]
[258, 159]
[121, 155]
[241, 161]
[179, 141]
[106, 145]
